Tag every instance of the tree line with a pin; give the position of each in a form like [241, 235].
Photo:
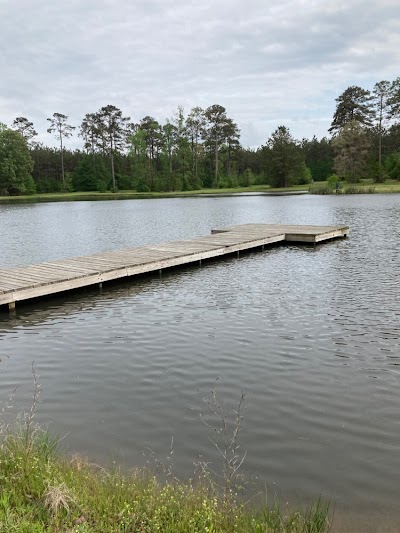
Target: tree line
[202, 149]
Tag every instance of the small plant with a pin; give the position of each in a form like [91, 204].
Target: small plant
[225, 438]
[57, 498]
[333, 180]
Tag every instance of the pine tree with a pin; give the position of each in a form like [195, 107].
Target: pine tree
[352, 148]
[62, 130]
[353, 104]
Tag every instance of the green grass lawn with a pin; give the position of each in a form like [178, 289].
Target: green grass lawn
[387, 187]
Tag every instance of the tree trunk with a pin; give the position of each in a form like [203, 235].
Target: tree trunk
[152, 165]
[196, 164]
[170, 167]
[62, 162]
[112, 166]
[93, 158]
[228, 161]
[193, 159]
[380, 148]
[216, 160]
[380, 138]
[183, 169]
[285, 166]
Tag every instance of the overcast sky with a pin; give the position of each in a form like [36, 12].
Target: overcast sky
[269, 63]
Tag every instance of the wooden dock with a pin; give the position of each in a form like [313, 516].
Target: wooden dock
[24, 283]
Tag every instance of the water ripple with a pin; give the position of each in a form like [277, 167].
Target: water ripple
[312, 335]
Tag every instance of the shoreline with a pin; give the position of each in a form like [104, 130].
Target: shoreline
[133, 195]
[366, 187]
[47, 489]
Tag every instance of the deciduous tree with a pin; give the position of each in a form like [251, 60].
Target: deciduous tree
[16, 164]
[392, 166]
[90, 174]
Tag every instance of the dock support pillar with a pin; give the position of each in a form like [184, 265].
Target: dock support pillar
[199, 262]
[160, 272]
[262, 248]
[11, 308]
[237, 254]
[100, 285]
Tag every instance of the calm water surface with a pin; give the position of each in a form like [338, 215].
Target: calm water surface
[311, 335]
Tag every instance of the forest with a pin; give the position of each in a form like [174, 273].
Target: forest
[202, 149]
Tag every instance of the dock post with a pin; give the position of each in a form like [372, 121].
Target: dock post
[237, 254]
[262, 248]
[100, 285]
[11, 308]
[199, 262]
[160, 272]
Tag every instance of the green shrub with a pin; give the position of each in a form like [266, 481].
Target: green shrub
[320, 189]
[333, 180]
[142, 186]
[247, 178]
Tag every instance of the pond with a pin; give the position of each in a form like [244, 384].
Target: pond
[312, 336]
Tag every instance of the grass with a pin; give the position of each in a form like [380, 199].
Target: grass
[363, 187]
[45, 490]
[320, 187]
[121, 195]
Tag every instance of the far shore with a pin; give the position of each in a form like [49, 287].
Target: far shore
[254, 190]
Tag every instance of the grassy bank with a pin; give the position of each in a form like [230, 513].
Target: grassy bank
[363, 187]
[121, 195]
[44, 490]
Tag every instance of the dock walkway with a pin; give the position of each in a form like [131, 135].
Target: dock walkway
[27, 282]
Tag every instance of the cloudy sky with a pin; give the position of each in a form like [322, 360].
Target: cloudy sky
[268, 63]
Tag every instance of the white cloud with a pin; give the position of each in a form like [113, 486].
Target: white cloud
[268, 65]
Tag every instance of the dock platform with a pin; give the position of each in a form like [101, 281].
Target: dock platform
[40, 280]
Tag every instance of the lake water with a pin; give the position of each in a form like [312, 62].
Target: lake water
[311, 335]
